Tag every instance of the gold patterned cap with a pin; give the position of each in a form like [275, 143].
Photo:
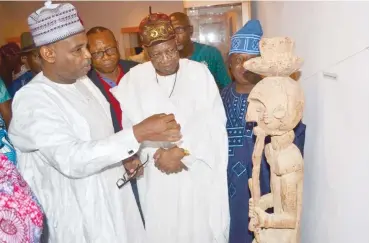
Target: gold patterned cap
[154, 28]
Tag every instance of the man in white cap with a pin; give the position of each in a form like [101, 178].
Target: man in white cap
[69, 153]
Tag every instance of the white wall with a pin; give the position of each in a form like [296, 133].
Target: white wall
[336, 196]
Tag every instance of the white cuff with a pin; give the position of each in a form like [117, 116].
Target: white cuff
[129, 141]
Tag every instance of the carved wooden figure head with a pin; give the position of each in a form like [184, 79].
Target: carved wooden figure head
[276, 105]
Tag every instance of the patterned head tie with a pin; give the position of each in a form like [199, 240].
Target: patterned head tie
[11, 49]
[54, 22]
[246, 40]
[156, 28]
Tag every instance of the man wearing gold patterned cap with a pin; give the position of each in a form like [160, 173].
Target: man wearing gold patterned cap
[183, 190]
[69, 153]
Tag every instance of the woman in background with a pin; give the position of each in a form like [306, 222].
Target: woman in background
[5, 100]
[21, 217]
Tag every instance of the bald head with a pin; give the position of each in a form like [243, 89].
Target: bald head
[179, 18]
[182, 26]
[104, 49]
[100, 29]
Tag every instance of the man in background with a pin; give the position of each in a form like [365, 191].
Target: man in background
[11, 67]
[206, 54]
[29, 53]
[244, 46]
[108, 70]
[107, 67]
[6, 54]
[30, 61]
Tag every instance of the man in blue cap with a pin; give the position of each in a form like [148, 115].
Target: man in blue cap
[244, 46]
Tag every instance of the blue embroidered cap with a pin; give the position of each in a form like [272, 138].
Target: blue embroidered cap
[246, 40]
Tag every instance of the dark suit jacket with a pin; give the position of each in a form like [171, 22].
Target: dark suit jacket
[126, 66]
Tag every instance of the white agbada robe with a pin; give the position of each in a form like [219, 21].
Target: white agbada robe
[191, 206]
[70, 156]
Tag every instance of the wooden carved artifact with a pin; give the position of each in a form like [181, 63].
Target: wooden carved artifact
[276, 104]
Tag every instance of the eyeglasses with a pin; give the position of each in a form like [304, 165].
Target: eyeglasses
[181, 29]
[121, 182]
[159, 57]
[100, 54]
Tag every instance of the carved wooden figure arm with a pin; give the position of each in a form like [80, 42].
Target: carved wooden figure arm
[266, 201]
[280, 221]
[299, 208]
[292, 210]
[256, 163]
[255, 185]
[289, 161]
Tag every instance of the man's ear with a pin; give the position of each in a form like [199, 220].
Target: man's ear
[190, 30]
[177, 43]
[48, 53]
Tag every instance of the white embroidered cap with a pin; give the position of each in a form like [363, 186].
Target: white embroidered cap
[53, 23]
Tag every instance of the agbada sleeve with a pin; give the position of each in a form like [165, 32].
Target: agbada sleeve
[204, 134]
[39, 125]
